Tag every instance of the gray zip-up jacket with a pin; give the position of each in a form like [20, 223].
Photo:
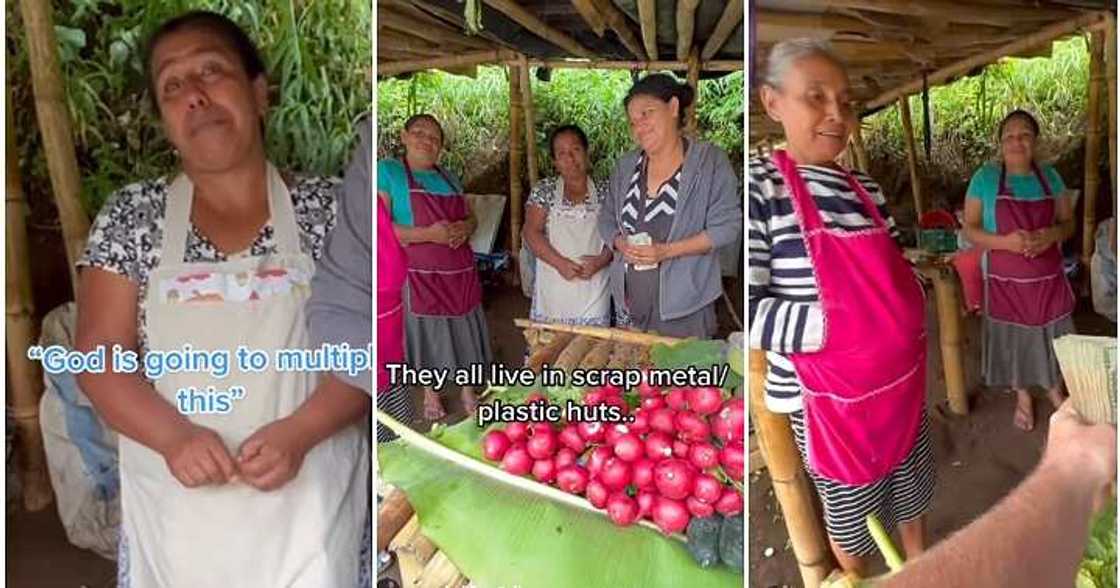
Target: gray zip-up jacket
[709, 200]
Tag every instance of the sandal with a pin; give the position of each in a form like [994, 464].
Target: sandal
[433, 406]
[1024, 416]
[470, 400]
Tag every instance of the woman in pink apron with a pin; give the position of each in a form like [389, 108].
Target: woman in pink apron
[445, 327]
[272, 489]
[569, 285]
[1018, 212]
[839, 312]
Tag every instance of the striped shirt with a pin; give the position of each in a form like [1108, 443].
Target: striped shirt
[784, 311]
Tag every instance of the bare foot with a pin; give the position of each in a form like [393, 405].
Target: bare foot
[470, 400]
[1056, 397]
[1024, 411]
[433, 406]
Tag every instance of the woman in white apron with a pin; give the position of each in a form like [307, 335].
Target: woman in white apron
[272, 489]
[560, 228]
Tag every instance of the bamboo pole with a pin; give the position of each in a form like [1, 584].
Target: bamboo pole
[731, 17]
[911, 155]
[791, 488]
[1110, 47]
[956, 12]
[530, 122]
[1044, 35]
[617, 335]
[516, 151]
[686, 24]
[714, 65]
[440, 572]
[428, 30]
[591, 15]
[54, 125]
[945, 290]
[647, 17]
[691, 124]
[538, 27]
[857, 145]
[621, 27]
[462, 60]
[394, 513]
[24, 376]
[1092, 146]
[413, 550]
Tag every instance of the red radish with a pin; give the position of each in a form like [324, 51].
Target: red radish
[670, 516]
[598, 457]
[658, 446]
[494, 445]
[609, 390]
[703, 455]
[569, 437]
[731, 458]
[729, 503]
[691, 428]
[629, 448]
[652, 402]
[542, 445]
[641, 422]
[565, 457]
[517, 460]
[707, 489]
[646, 499]
[614, 432]
[572, 479]
[591, 432]
[615, 474]
[698, 508]
[517, 431]
[622, 509]
[704, 401]
[617, 401]
[676, 399]
[681, 449]
[662, 420]
[673, 478]
[597, 493]
[544, 470]
[642, 473]
[593, 397]
[727, 424]
[536, 397]
[541, 429]
[647, 391]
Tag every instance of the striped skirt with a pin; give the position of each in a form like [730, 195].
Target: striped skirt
[396, 403]
[904, 495]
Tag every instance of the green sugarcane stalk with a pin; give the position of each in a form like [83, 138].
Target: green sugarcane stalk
[884, 543]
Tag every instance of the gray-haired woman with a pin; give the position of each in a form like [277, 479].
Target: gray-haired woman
[673, 203]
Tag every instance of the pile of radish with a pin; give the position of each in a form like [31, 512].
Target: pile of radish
[674, 462]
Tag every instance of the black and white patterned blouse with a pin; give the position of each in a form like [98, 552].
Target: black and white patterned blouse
[126, 237]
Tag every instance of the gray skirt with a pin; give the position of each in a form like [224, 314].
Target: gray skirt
[1021, 357]
[446, 342]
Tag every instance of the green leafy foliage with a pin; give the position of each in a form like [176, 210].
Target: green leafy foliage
[475, 113]
[1098, 568]
[318, 56]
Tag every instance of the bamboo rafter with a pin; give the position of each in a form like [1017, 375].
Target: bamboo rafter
[591, 15]
[527, 19]
[686, 23]
[731, 17]
[618, 22]
[647, 17]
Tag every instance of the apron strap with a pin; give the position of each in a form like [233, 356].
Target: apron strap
[177, 220]
[1002, 188]
[803, 200]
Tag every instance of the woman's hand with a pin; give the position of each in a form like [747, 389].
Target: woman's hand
[199, 458]
[1015, 242]
[1039, 241]
[439, 232]
[272, 456]
[569, 269]
[593, 264]
[651, 254]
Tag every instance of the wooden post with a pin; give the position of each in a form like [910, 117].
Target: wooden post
[1110, 47]
[530, 122]
[862, 163]
[24, 376]
[791, 487]
[911, 155]
[516, 150]
[54, 125]
[692, 123]
[945, 290]
[1092, 146]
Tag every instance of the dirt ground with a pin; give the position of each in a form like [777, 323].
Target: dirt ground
[980, 458]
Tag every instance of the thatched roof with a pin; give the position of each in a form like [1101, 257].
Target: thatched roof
[627, 33]
[889, 44]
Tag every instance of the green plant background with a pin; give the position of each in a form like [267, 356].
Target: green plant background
[318, 56]
[475, 113]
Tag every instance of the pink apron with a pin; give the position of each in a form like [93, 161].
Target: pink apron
[864, 391]
[392, 270]
[442, 281]
[1032, 292]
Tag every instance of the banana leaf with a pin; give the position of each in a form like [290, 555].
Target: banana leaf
[501, 535]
